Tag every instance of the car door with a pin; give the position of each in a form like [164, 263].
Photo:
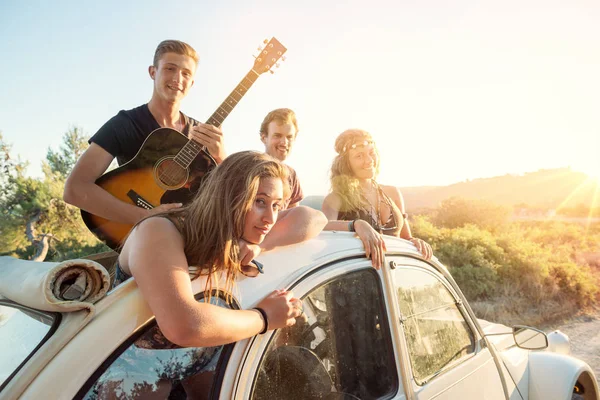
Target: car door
[448, 358]
[342, 349]
[148, 365]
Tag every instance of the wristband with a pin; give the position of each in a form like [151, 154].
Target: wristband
[351, 226]
[265, 319]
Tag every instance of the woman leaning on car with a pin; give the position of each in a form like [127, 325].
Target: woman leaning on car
[359, 204]
[236, 215]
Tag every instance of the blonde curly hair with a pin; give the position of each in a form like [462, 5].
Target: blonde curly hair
[343, 181]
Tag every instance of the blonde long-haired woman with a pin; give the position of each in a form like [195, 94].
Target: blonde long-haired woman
[358, 203]
[235, 215]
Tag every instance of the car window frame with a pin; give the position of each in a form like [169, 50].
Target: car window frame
[151, 323]
[414, 263]
[53, 328]
[252, 356]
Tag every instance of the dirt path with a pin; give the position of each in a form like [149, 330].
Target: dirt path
[584, 336]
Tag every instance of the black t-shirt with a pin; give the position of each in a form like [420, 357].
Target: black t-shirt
[123, 135]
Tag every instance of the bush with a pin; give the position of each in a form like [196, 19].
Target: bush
[457, 212]
[518, 268]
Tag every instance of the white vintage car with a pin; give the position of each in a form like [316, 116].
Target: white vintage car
[405, 332]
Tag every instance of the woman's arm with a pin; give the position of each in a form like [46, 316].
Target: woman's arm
[294, 225]
[372, 241]
[154, 255]
[331, 209]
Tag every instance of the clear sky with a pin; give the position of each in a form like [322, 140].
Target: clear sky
[450, 90]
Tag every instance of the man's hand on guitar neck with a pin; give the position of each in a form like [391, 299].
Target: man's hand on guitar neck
[211, 137]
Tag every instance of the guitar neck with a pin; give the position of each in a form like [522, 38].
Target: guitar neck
[189, 152]
[233, 99]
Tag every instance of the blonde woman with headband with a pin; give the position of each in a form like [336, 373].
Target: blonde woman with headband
[236, 214]
[357, 203]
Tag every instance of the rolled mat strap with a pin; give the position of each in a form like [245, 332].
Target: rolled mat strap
[66, 286]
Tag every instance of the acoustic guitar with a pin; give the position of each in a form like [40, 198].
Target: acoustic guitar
[169, 167]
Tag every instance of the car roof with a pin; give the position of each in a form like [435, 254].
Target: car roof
[284, 266]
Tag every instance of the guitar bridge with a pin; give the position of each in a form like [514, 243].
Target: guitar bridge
[139, 200]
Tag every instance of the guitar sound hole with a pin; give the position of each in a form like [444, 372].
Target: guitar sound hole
[169, 175]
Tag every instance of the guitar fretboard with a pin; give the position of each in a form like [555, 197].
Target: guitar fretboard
[189, 152]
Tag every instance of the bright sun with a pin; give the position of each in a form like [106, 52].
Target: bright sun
[590, 168]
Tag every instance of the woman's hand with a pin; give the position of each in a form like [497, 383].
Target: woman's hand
[282, 309]
[248, 252]
[423, 247]
[372, 241]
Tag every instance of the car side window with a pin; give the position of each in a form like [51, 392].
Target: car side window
[436, 331]
[341, 349]
[22, 332]
[153, 367]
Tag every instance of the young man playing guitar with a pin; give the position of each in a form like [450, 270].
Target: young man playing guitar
[122, 136]
[278, 132]
[129, 131]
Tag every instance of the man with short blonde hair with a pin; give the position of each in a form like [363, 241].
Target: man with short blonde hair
[278, 133]
[177, 47]
[172, 72]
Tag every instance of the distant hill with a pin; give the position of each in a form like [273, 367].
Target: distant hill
[547, 188]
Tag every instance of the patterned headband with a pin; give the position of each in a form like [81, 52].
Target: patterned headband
[355, 145]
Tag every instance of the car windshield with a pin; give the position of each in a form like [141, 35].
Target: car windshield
[21, 331]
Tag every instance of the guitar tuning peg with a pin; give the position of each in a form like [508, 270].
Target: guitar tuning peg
[277, 65]
[259, 48]
[271, 71]
[266, 41]
[283, 58]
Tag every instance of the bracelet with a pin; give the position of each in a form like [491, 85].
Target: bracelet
[265, 319]
[351, 226]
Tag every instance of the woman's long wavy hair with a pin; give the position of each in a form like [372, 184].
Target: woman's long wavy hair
[213, 222]
[343, 181]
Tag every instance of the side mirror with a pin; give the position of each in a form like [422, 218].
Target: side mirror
[529, 338]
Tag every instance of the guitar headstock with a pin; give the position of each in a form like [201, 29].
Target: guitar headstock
[269, 55]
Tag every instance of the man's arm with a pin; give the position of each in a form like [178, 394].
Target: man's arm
[294, 226]
[82, 191]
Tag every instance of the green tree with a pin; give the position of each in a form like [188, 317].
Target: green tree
[34, 220]
[73, 146]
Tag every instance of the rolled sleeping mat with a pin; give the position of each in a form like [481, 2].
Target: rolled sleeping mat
[53, 286]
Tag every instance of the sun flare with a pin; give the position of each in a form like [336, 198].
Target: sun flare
[590, 167]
